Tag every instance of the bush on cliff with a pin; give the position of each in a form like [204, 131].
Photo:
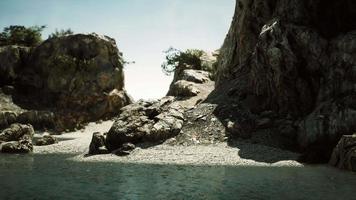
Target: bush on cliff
[176, 59]
[21, 35]
[61, 33]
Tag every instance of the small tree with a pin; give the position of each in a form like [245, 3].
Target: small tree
[20, 35]
[176, 59]
[61, 33]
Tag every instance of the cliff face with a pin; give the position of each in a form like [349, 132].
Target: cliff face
[292, 62]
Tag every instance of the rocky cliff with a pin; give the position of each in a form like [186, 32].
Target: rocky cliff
[286, 73]
[77, 77]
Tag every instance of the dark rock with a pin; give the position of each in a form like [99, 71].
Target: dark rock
[97, 144]
[46, 140]
[283, 57]
[17, 139]
[125, 150]
[151, 121]
[8, 89]
[344, 154]
[11, 60]
[38, 119]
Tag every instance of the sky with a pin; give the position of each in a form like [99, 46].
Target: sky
[143, 30]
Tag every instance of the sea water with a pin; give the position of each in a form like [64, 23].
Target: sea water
[37, 177]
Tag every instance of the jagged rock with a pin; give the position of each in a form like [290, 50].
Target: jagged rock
[183, 88]
[17, 139]
[97, 143]
[282, 57]
[125, 150]
[11, 60]
[145, 121]
[79, 76]
[344, 154]
[46, 140]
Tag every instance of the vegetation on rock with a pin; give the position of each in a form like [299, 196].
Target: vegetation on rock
[21, 35]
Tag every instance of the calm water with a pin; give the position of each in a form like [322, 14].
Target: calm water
[56, 177]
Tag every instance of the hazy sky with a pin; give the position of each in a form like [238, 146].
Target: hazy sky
[143, 29]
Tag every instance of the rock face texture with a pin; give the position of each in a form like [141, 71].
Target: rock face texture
[78, 77]
[344, 154]
[17, 139]
[296, 61]
[11, 60]
[145, 121]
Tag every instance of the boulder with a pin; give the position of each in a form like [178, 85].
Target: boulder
[80, 77]
[17, 139]
[125, 150]
[344, 154]
[183, 88]
[145, 121]
[46, 140]
[97, 144]
[196, 76]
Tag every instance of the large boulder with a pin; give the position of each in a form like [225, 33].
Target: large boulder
[282, 56]
[344, 154]
[145, 121]
[80, 77]
[17, 139]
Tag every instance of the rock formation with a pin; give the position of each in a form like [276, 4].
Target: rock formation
[344, 154]
[79, 78]
[154, 121]
[17, 139]
[290, 66]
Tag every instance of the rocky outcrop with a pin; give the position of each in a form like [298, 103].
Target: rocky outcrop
[344, 154]
[77, 78]
[145, 121]
[17, 139]
[280, 57]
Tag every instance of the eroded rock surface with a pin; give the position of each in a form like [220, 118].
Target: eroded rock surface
[65, 81]
[280, 57]
[344, 154]
[145, 121]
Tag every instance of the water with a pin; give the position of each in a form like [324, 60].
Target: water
[56, 177]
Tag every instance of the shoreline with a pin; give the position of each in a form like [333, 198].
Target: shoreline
[220, 154]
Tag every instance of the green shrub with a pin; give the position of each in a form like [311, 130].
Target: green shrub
[61, 33]
[21, 35]
[176, 59]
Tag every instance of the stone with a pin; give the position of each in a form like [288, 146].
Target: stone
[183, 88]
[344, 154]
[145, 121]
[97, 144]
[196, 76]
[125, 150]
[46, 140]
[17, 139]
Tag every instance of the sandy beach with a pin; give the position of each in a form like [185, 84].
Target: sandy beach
[77, 143]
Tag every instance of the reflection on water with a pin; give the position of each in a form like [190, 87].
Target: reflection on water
[55, 177]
